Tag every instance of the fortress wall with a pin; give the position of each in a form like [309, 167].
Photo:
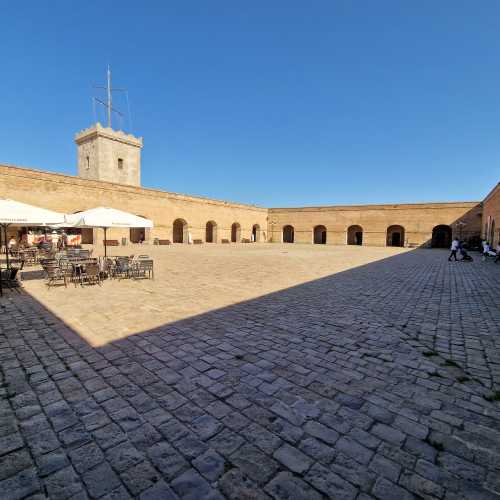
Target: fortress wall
[69, 194]
[418, 221]
[491, 216]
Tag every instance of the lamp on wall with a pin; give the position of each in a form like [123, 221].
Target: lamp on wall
[460, 225]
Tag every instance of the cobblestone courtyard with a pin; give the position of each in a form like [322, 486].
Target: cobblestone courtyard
[257, 372]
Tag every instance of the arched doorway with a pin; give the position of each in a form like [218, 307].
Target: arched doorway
[211, 232]
[180, 231]
[256, 232]
[138, 234]
[395, 236]
[235, 232]
[288, 234]
[354, 235]
[441, 236]
[319, 235]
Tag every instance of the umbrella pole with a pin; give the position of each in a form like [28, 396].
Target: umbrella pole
[105, 247]
[6, 245]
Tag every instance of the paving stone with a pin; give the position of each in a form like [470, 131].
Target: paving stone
[386, 490]
[20, 485]
[123, 456]
[206, 426]
[51, 462]
[86, 457]
[14, 462]
[254, 464]
[101, 480]
[63, 484]
[293, 459]
[286, 486]
[191, 486]
[321, 432]
[236, 486]
[387, 433]
[330, 483]
[211, 465]
[159, 491]
[317, 450]
[43, 442]
[354, 450]
[10, 443]
[109, 436]
[166, 459]
[140, 477]
[226, 442]
[191, 447]
[262, 438]
[145, 436]
[385, 467]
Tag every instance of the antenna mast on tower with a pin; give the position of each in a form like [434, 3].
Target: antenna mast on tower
[109, 98]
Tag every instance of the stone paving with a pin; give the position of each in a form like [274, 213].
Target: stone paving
[380, 381]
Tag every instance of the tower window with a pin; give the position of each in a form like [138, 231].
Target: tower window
[87, 162]
[120, 163]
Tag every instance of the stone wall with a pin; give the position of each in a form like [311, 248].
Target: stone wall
[491, 216]
[99, 151]
[418, 221]
[70, 194]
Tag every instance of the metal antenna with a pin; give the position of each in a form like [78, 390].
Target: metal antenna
[109, 94]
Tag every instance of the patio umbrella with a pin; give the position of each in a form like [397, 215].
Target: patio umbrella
[106, 217]
[21, 214]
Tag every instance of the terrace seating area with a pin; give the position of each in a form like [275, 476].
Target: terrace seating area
[66, 268]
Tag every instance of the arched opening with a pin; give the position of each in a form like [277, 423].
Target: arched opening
[211, 232]
[354, 235]
[395, 236]
[256, 232]
[288, 234]
[235, 232]
[138, 234]
[441, 236]
[320, 235]
[180, 231]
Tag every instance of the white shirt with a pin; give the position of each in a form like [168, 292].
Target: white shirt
[454, 245]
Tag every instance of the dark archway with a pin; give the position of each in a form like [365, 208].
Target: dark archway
[319, 235]
[256, 233]
[180, 231]
[211, 232]
[235, 232]
[441, 236]
[355, 235]
[288, 234]
[395, 236]
[138, 234]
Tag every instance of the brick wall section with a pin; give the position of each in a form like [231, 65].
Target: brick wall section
[491, 216]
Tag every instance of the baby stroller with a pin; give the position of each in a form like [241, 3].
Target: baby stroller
[465, 256]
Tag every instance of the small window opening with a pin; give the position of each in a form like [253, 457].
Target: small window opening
[120, 163]
[87, 164]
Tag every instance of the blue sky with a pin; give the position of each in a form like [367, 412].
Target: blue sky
[278, 103]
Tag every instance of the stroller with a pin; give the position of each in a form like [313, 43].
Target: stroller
[465, 256]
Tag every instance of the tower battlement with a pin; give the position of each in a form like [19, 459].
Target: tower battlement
[109, 155]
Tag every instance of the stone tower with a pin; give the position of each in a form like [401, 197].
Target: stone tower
[109, 155]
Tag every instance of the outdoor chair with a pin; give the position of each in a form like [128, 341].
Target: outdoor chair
[55, 276]
[143, 269]
[122, 268]
[91, 274]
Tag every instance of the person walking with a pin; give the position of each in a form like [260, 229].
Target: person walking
[454, 247]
